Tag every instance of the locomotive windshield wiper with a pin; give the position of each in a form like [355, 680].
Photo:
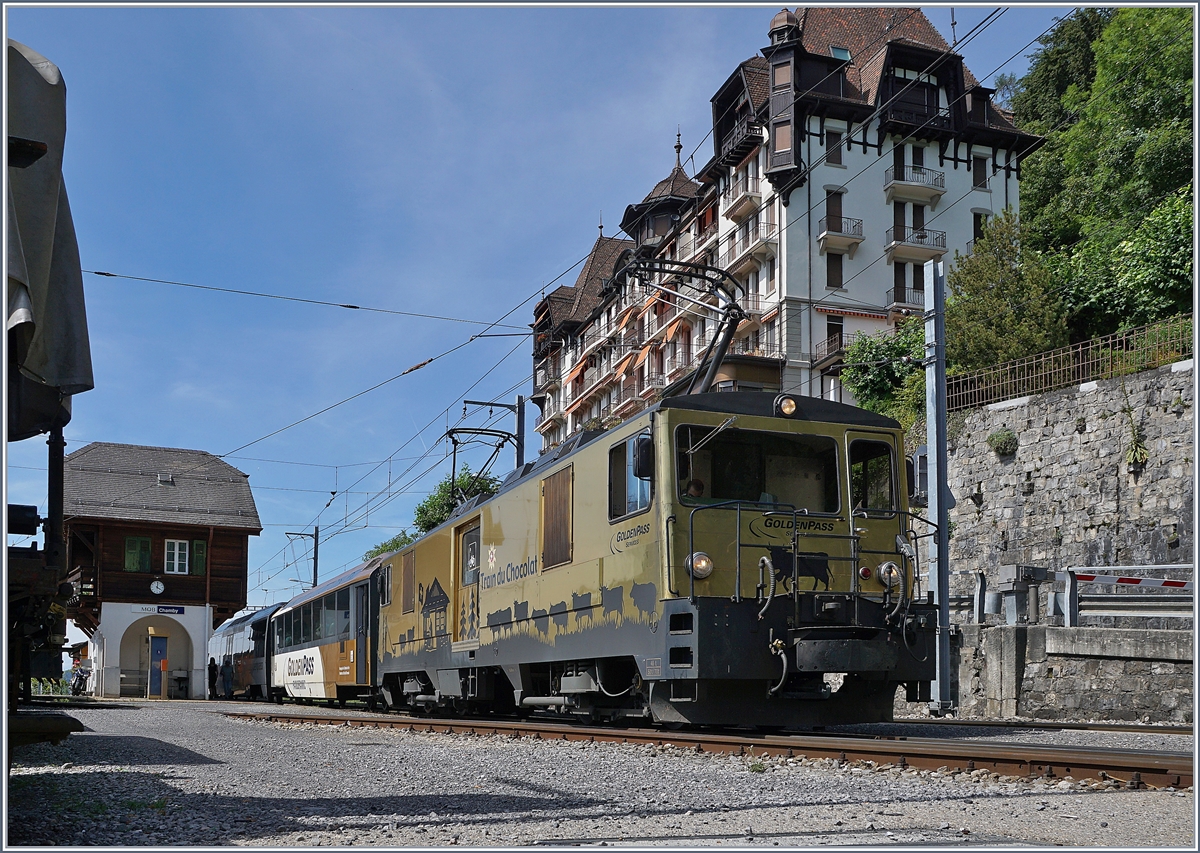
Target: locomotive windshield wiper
[728, 422]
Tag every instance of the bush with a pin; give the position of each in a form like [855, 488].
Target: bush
[1003, 441]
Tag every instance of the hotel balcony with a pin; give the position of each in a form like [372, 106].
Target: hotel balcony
[839, 233]
[914, 184]
[906, 297]
[914, 245]
[546, 378]
[749, 248]
[745, 136]
[654, 382]
[828, 350]
[702, 242]
[741, 198]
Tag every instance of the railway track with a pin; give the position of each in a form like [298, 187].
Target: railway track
[1053, 726]
[1134, 768]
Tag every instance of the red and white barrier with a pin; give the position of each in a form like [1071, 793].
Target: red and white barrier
[1126, 581]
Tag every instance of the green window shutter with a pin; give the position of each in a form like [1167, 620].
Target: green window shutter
[144, 553]
[131, 553]
[199, 556]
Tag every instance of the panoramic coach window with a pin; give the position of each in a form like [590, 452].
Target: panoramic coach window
[758, 467]
[176, 560]
[556, 518]
[329, 609]
[408, 582]
[137, 553]
[343, 611]
[871, 475]
[627, 494]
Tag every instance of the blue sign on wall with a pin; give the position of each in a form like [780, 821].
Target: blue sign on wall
[166, 608]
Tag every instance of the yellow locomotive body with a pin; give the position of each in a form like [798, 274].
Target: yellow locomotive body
[595, 584]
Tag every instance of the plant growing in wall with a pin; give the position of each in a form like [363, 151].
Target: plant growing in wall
[1137, 454]
[1003, 441]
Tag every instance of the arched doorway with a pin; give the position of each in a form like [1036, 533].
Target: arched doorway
[136, 653]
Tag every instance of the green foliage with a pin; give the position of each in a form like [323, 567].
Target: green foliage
[436, 508]
[883, 371]
[401, 540]
[1112, 94]
[1003, 441]
[1002, 303]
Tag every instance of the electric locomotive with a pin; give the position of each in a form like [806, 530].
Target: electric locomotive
[720, 558]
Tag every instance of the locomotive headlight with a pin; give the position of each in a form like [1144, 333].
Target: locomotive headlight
[699, 565]
[786, 406]
[889, 574]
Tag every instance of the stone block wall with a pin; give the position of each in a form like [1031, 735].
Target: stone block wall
[1067, 497]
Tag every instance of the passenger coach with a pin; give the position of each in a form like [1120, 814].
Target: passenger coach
[325, 639]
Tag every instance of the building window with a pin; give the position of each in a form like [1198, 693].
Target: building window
[833, 146]
[782, 75]
[833, 270]
[385, 585]
[176, 560]
[137, 553]
[979, 177]
[769, 274]
[977, 223]
[783, 137]
[900, 280]
[840, 53]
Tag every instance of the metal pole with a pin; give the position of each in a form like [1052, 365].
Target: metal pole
[520, 431]
[940, 499]
[316, 543]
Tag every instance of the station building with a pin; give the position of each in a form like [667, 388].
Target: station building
[157, 550]
[848, 152]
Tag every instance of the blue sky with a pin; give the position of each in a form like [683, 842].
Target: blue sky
[447, 160]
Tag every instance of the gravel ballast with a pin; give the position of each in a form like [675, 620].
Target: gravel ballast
[181, 773]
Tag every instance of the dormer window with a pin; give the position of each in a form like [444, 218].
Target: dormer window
[839, 53]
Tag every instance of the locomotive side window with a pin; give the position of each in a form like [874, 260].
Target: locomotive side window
[717, 465]
[872, 475]
[470, 557]
[408, 582]
[556, 518]
[627, 493]
[385, 585]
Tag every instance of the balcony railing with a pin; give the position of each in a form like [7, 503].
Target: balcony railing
[762, 350]
[906, 296]
[738, 188]
[829, 347]
[938, 118]
[841, 225]
[745, 242]
[916, 175]
[546, 376]
[917, 237]
[741, 140]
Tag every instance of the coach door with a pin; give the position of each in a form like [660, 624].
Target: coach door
[466, 627]
[874, 496]
[361, 619]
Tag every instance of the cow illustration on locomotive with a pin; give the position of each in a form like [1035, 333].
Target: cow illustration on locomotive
[717, 559]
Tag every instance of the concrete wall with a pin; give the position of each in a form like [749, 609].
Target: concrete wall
[117, 642]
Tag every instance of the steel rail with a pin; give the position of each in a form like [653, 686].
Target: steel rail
[1147, 729]
[1134, 768]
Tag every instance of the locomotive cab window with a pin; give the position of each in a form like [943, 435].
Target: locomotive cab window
[628, 494]
[714, 466]
[872, 476]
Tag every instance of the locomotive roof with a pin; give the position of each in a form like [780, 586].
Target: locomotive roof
[762, 404]
[359, 572]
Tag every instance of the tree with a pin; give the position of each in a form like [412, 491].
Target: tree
[1116, 112]
[883, 371]
[437, 507]
[1001, 304]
